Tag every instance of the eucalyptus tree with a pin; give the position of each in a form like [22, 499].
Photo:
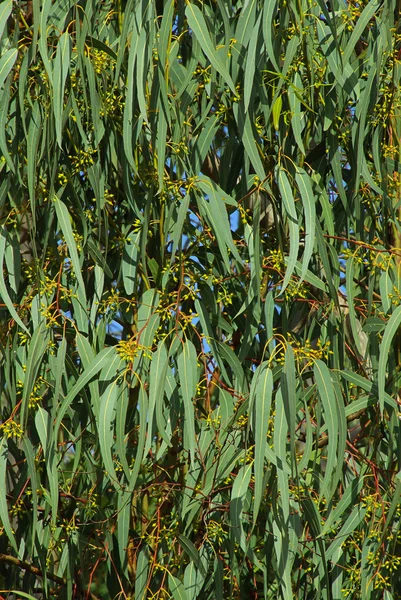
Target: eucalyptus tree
[200, 284]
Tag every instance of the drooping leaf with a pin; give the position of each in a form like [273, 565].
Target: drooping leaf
[198, 25]
[261, 407]
[187, 370]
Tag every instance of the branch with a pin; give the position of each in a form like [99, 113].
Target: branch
[31, 568]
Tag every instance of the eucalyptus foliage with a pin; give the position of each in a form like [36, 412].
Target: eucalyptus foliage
[200, 245]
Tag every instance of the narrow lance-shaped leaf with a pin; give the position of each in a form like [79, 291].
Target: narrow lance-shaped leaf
[251, 63]
[187, 371]
[34, 133]
[176, 237]
[177, 588]
[389, 333]
[288, 392]
[13, 262]
[238, 493]
[44, 429]
[357, 31]
[65, 224]
[198, 25]
[5, 11]
[201, 143]
[245, 26]
[142, 73]
[143, 411]
[103, 358]
[123, 524]
[36, 351]
[327, 397]
[4, 517]
[157, 381]
[308, 202]
[292, 220]
[122, 415]
[111, 375]
[216, 214]
[32, 474]
[6, 64]
[262, 404]
[3, 289]
[141, 578]
[249, 139]
[61, 67]
[280, 450]
[128, 115]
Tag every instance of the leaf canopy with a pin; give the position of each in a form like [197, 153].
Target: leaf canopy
[200, 275]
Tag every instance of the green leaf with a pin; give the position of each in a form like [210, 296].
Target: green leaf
[23, 594]
[368, 386]
[187, 371]
[249, 139]
[104, 358]
[349, 498]
[269, 8]
[130, 263]
[99, 258]
[308, 202]
[177, 234]
[216, 213]
[61, 69]
[143, 408]
[353, 521]
[32, 474]
[6, 64]
[193, 581]
[3, 289]
[386, 288]
[276, 112]
[64, 220]
[294, 97]
[157, 382]
[123, 524]
[261, 406]
[37, 348]
[280, 450]
[141, 578]
[44, 429]
[13, 262]
[226, 354]
[43, 48]
[122, 414]
[192, 553]
[98, 127]
[4, 517]
[197, 23]
[141, 73]
[327, 397]
[238, 493]
[108, 401]
[201, 145]
[177, 588]
[5, 11]
[251, 60]
[148, 318]
[290, 212]
[245, 25]
[34, 133]
[289, 395]
[357, 31]
[388, 336]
